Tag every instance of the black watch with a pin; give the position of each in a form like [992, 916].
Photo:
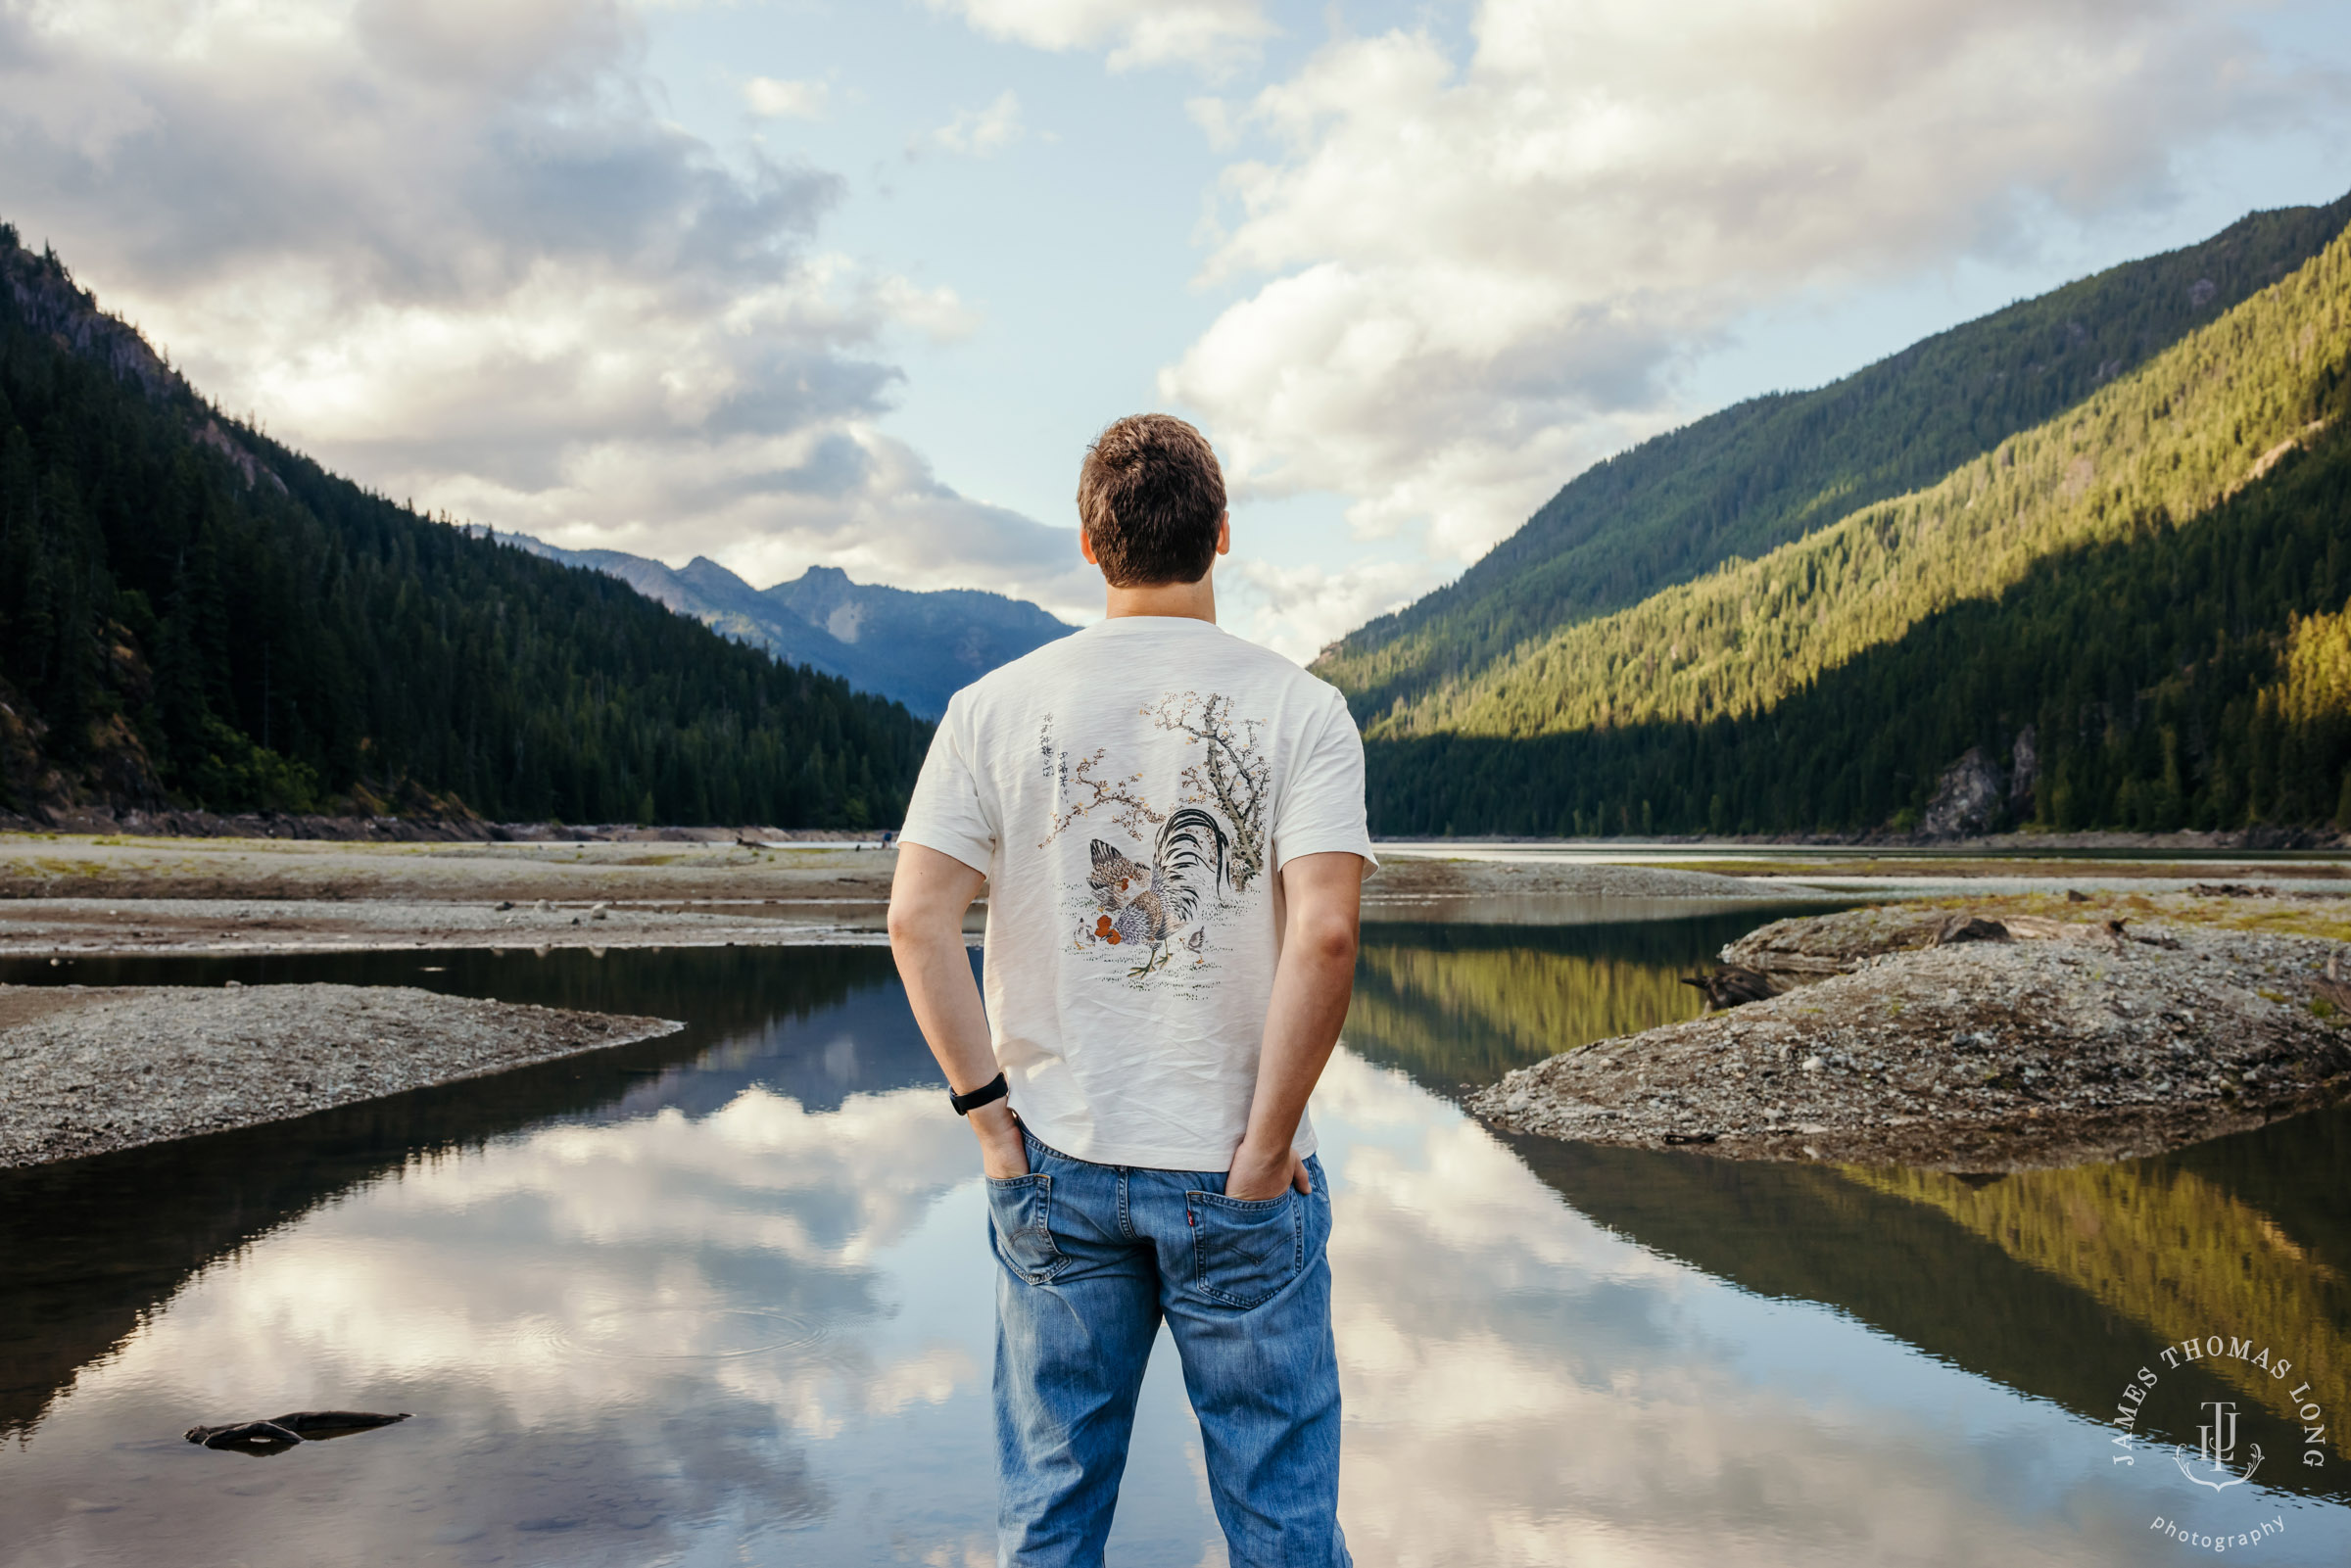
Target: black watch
[995, 1088]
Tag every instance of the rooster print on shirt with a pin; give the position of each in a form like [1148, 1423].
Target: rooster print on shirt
[1162, 863]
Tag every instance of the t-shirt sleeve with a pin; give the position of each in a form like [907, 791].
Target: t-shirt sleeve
[1322, 803]
[946, 813]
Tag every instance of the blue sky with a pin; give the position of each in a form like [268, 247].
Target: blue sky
[854, 283]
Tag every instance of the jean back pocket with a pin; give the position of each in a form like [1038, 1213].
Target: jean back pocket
[1019, 1213]
[1245, 1250]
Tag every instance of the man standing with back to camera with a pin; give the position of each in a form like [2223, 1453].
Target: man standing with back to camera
[1170, 825]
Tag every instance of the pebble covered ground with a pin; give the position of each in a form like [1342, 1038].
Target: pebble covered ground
[60, 866]
[1408, 878]
[348, 898]
[82, 927]
[2072, 1045]
[91, 1071]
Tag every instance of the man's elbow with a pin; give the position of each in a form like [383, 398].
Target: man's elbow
[910, 922]
[1328, 938]
[928, 898]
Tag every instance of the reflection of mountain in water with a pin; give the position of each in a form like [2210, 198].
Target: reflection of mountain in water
[92, 1244]
[1455, 1005]
[2025, 1279]
[867, 1043]
[2057, 1283]
[2174, 1253]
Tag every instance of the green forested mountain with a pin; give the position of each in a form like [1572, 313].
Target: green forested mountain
[1775, 468]
[2160, 446]
[2140, 604]
[2196, 677]
[192, 614]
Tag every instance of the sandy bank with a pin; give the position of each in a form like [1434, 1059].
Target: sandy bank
[86, 926]
[1419, 884]
[65, 896]
[1981, 1056]
[84, 1072]
[44, 866]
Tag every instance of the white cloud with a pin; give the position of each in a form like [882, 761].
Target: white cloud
[1135, 32]
[1480, 275]
[937, 312]
[978, 132]
[1298, 610]
[461, 256]
[772, 99]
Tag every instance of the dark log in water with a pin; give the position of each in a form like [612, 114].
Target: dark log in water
[281, 1432]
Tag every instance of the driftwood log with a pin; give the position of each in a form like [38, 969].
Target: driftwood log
[1733, 984]
[1966, 927]
[282, 1432]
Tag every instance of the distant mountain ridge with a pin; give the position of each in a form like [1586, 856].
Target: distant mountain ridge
[915, 647]
[1772, 469]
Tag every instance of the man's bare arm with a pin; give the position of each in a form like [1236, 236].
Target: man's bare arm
[928, 898]
[1323, 895]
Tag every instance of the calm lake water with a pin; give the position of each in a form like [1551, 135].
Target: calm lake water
[725, 1297]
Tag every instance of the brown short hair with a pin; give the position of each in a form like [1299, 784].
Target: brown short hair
[1150, 497]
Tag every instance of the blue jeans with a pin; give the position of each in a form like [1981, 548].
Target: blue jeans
[1092, 1257]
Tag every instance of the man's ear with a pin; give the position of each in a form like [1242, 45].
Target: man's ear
[1086, 546]
[1224, 534]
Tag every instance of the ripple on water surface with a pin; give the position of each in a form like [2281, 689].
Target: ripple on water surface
[673, 1333]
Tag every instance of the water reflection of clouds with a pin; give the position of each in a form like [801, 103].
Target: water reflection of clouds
[529, 1253]
[578, 1315]
[761, 1175]
[483, 1291]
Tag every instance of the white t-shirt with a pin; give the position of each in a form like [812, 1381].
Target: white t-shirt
[1131, 792]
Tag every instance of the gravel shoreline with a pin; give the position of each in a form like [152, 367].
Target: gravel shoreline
[87, 898]
[2076, 1044]
[91, 927]
[60, 866]
[87, 1072]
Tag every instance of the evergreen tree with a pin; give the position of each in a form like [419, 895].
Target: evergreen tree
[193, 614]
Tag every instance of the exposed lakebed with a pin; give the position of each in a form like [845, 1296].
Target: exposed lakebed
[1944, 1039]
[725, 1296]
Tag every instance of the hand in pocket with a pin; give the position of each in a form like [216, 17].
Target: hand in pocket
[1020, 1212]
[1246, 1250]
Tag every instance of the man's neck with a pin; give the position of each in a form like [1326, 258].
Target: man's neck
[1197, 600]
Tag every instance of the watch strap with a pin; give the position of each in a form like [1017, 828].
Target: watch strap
[993, 1089]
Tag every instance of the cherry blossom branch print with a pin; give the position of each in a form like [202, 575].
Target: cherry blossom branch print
[1079, 784]
[1232, 775]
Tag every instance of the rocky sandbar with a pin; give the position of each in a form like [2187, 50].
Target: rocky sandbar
[2066, 1043]
[84, 1072]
